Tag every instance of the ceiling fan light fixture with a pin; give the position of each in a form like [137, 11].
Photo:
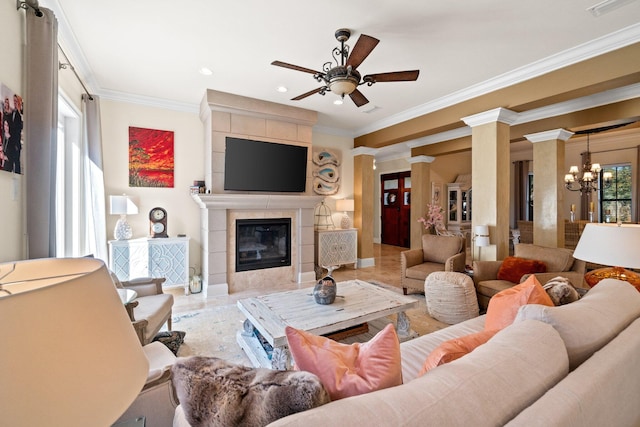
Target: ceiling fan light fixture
[342, 86]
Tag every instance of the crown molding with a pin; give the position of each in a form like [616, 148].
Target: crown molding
[549, 135]
[593, 48]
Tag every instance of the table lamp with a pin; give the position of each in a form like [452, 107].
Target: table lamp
[480, 239]
[614, 245]
[345, 205]
[69, 356]
[123, 206]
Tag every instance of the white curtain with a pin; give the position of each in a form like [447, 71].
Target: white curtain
[41, 118]
[94, 215]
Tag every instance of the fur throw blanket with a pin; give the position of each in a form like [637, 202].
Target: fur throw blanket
[561, 291]
[216, 393]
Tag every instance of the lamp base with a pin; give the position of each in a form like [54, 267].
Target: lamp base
[345, 222]
[123, 230]
[593, 277]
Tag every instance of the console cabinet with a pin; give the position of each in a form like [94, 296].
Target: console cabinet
[336, 247]
[458, 208]
[149, 257]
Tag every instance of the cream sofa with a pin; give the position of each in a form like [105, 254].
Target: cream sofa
[573, 365]
[578, 366]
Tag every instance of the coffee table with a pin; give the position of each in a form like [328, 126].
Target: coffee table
[357, 302]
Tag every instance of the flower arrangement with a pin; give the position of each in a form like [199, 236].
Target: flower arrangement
[434, 216]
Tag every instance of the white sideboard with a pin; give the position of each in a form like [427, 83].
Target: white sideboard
[336, 247]
[151, 257]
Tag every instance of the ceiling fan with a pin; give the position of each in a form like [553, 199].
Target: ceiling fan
[343, 78]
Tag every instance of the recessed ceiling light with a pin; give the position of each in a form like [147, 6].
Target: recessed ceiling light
[206, 71]
[281, 89]
[338, 101]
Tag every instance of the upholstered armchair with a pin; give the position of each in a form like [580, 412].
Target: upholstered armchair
[151, 309]
[157, 400]
[557, 261]
[438, 253]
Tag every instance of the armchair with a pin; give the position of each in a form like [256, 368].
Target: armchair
[558, 261]
[151, 309]
[157, 400]
[438, 253]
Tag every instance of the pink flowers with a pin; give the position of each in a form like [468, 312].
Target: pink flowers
[434, 216]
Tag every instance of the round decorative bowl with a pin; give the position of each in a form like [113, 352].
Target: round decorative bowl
[325, 291]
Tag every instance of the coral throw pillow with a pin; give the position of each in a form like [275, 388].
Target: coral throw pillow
[348, 369]
[454, 349]
[513, 268]
[503, 306]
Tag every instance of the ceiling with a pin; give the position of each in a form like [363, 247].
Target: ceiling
[150, 51]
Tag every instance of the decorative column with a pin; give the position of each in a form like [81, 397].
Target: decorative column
[363, 182]
[490, 178]
[420, 196]
[548, 187]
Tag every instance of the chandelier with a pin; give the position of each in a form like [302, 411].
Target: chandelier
[586, 180]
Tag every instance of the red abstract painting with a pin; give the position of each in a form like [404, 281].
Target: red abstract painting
[151, 159]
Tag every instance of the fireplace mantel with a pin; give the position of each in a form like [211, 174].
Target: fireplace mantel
[219, 213]
[256, 201]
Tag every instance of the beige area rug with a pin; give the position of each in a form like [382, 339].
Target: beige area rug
[212, 331]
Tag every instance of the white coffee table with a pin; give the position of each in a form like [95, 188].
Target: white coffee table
[357, 302]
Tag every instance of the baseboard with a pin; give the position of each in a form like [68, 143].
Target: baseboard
[366, 262]
[307, 276]
[219, 289]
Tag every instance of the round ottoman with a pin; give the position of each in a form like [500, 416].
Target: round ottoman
[450, 297]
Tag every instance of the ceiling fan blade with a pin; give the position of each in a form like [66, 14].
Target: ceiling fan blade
[304, 95]
[295, 67]
[361, 50]
[358, 98]
[396, 76]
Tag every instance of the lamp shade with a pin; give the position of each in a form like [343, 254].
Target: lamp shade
[122, 205]
[70, 355]
[345, 205]
[482, 231]
[610, 244]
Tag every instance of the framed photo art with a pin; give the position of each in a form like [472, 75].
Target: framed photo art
[11, 125]
[151, 157]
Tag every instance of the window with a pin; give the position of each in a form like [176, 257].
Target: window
[68, 181]
[615, 200]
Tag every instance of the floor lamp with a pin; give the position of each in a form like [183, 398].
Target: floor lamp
[70, 356]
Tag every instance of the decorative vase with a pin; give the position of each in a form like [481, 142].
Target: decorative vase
[325, 291]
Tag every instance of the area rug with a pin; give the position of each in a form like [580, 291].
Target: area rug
[212, 331]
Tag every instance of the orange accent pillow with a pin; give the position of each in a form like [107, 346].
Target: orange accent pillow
[513, 268]
[503, 306]
[348, 369]
[455, 348]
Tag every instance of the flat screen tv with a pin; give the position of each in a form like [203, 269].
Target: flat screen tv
[264, 166]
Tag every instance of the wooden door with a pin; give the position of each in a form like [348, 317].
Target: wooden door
[395, 208]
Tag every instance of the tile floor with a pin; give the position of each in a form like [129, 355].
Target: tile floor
[386, 270]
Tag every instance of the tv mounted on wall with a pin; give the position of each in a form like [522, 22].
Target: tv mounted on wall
[264, 166]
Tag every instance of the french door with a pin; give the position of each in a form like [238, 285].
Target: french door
[395, 208]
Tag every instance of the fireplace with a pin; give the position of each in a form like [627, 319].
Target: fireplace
[263, 243]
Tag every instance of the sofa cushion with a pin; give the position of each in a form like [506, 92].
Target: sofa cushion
[591, 322]
[414, 352]
[556, 259]
[421, 271]
[348, 369]
[513, 268]
[503, 307]
[487, 387]
[450, 297]
[454, 349]
[439, 248]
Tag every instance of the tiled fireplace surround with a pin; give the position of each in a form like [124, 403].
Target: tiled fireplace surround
[225, 115]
